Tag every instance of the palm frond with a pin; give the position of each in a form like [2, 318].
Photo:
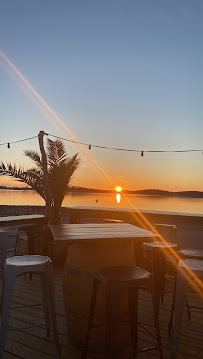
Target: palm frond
[59, 179]
[30, 177]
[34, 156]
[56, 153]
[60, 171]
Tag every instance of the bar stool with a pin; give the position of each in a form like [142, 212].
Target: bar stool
[116, 280]
[183, 276]
[188, 253]
[158, 255]
[16, 266]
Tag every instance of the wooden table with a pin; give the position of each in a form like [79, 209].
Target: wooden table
[23, 219]
[69, 234]
[92, 246]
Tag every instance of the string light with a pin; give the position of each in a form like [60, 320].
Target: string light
[105, 147]
[25, 139]
[124, 149]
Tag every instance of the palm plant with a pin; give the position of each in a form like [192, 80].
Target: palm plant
[60, 169]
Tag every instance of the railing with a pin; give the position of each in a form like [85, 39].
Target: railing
[189, 225]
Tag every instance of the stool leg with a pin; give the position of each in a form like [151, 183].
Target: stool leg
[163, 271]
[91, 316]
[45, 298]
[172, 312]
[149, 260]
[172, 308]
[178, 312]
[159, 273]
[113, 295]
[188, 307]
[31, 234]
[6, 301]
[156, 318]
[133, 316]
[50, 286]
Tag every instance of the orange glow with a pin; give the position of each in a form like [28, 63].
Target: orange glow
[118, 189]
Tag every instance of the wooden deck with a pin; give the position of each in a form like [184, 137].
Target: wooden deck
[33, 344]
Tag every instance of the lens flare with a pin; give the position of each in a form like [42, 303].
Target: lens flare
[139, 218]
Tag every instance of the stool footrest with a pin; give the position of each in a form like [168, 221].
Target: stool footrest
[146, 330]
[27, 306]
[30, 326]
[145, 350]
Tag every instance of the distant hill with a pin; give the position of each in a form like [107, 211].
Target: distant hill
[159, 192]
[146, 192]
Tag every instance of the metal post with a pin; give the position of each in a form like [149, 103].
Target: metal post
[46, 181]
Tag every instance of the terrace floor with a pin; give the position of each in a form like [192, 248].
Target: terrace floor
[32, 343]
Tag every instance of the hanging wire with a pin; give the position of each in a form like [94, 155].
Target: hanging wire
[122, 149]
[90, 145]
[104, 147]
[25, 139]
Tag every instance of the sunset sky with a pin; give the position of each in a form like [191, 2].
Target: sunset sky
[124, 74]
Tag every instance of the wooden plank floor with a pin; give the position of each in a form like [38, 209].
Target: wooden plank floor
[33, 344]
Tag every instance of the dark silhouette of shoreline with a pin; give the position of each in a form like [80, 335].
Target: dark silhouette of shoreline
[146, 192]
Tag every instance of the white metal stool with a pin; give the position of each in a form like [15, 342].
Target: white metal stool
[19, 265]
[7, 246]
[188, 269]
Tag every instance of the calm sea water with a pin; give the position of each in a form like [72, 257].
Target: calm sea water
[155, 203]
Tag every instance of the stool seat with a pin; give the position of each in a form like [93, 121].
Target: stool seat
[110, 220]
[159, 244]
[191, 253]
[122, 274]
[194, 265]
[27, 260]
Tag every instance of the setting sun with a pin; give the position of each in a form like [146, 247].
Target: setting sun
[118, 189]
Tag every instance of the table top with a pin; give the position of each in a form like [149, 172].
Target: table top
[74, 232]
[23, 219]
